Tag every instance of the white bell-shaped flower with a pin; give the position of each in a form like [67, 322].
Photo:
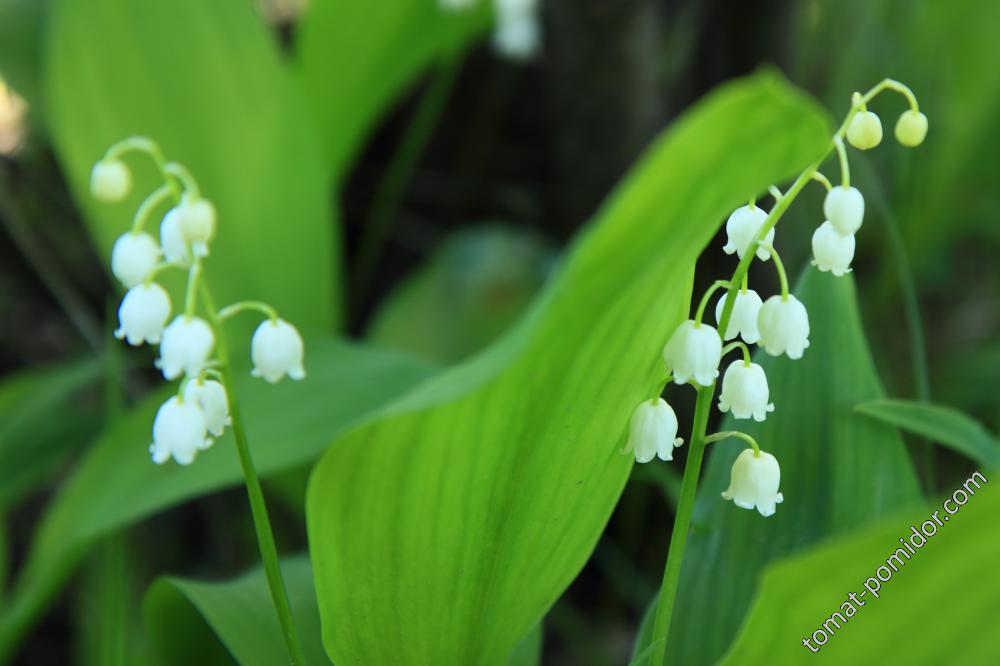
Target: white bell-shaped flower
[277, 350]
[196, 219]
[110, 180]
[210, 396]
[745, 392]
[865, 130]
[653, 431]
[743, 320]
[134, 257]
[693, 351]
[143, 314]
[742, 227]
[518, 33]
[179, 431]
[185, 347]
[911, 128]
[845, 208]
[784, 326]
[832, 251]
[754, 482]
[175, 247]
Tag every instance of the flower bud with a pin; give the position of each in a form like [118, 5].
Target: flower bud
[143, 314]
[185, 347]
[210, 396]
[845, 208]
[178, 431]
[653, 431]
[784, 326]
[175, 247]
[110, 180]
[745, 392]
[865, 130]
[134, 257]
[742, 227]
[196, 218]
[832, 251]
[693, 352]
[743, 320]
[277, 350]
[911, 128]
[754, 482]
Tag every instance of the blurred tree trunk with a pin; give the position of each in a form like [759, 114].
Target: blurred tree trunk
[601, 80]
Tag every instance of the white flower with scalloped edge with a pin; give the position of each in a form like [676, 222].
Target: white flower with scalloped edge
[185, 347]
[277, 350]
[745, 392]
[743, 319]
[844, 207]
[110, 180]
[142, 314]
[784, 326]
[653, 431]
[754, 482]
[832, 251]
[134, 257]
[742, 227]
[179, 432]
[210, 396]
[693, 352]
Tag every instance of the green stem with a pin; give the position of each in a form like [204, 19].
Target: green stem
[191, 295]
[823, 180]
[737, 344]
[181, 173]
[845, 169]
[718, 284]
[726, 434]
[780, 267]
[232, 310]
[149, 204]
[146, 145]
[258, 508]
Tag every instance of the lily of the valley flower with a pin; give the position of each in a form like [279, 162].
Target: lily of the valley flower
[693, 352]
[784, 326]
[196, 220]
[653, 431]
[742, 227]
[832, 251]
[277, 350]
[185, 347]
[745, 392]
[518, 31]
[743, 320]
[911, 128]
[175, 247]
[210, 396]
[143, 313]
[844, 207]
[179, 431]
[865, 130]
[110, 180]
[754, 482]
[134, 257]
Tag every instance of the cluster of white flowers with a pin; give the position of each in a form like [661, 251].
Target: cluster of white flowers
[779, 325]
[187, 422]
[518, 32]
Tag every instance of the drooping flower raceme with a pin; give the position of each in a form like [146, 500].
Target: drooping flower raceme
[185, 347]
[743, 319]
[134, 257]
[276, 349]
[179, 431]
[742, 227]
[653, 431]
[210, 396]
[110, 180]
[832, 251]
[142, 314]
[784, 326]
[745, 392]
[754, 482]
[844, 207]
[693, 352]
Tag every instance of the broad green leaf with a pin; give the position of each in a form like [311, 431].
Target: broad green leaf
[240, 614]
[442, 532]
[839, 470]
[356, 58]
[939, 607]
[469, 292]
[42, 420]
[116, 485]
[205, 80]
[940, 424]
